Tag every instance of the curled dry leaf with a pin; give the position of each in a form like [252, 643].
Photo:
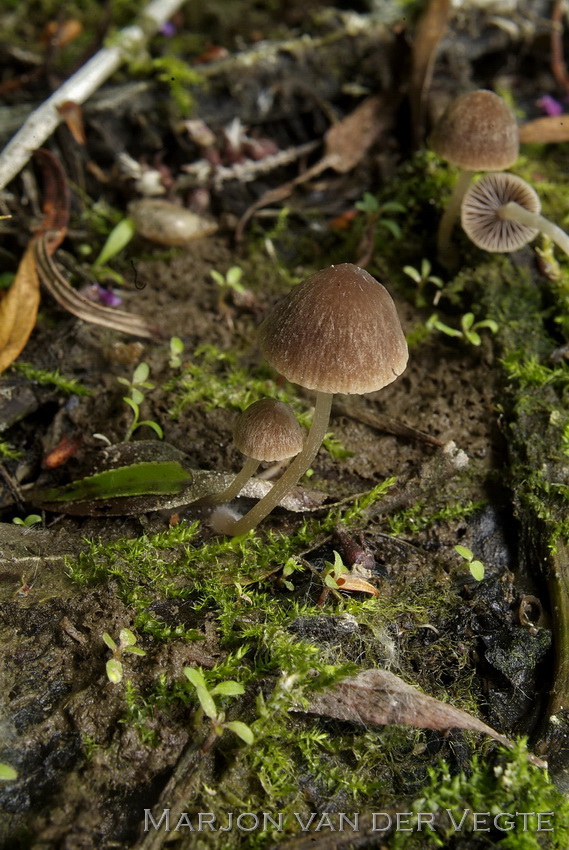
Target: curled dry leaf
[349, 582]
[380, 697]
[19, 309]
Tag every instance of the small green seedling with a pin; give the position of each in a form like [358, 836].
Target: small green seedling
[476, 567]
[114, 666]
[375, 213]
[138, 382]
[422, 277]
[332, 572]
[176, 351]
[118, 238]
[27, 522]
[468, 327]
[7, 773]
[208, 707]
[232, 279]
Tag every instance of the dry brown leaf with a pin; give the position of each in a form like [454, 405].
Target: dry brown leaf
[380, 697]
[546, 131]
[348, 582]
[19, 309]
[429, 32]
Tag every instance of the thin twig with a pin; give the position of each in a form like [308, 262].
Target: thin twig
[78, 88]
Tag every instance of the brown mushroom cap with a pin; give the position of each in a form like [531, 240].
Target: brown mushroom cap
[477, 132]
[268, 430]
[337, 332]
[480, 213]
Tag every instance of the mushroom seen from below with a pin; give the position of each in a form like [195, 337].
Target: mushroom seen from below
[501, 213]
[337, 332]
[477, 132]
[267, 430]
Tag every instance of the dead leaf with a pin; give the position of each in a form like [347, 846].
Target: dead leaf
[345, 145]
[72, 114]
[56, 199]
[349, 582]
[380, 697]
[545, 131]
[19, 309]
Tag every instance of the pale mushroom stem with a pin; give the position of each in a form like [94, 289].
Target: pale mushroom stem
[294, 472]
[514, 212]
[248, 470]
[450, 217]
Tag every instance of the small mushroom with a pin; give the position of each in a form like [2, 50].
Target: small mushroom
[267, 430]
[337, 332]
[477, 132]
[501, 213]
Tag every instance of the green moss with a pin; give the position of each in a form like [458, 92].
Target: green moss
[47, 378]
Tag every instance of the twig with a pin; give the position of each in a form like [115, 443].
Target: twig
[558, 66]
[78, 88]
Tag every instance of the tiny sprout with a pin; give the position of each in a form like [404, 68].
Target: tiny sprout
[208, 705]
[476, 567]
[136, 397]
[468, 327]
[333, 572]
[114, 666]
[231, 280]
[422, 278]
[375, 213]
[176, 349]
[31, 519]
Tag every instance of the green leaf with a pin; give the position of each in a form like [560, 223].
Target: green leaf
[195, 676]
[477, 570]
[412, 273]
[488, 323]
[154, 425]
[330, 581]
[137, 479]
[114, 671]
[127, 638]
[135, 650]
[176, 345]
[141, 373]
[109, 641]
[473, 338]
[467, 321]
[233, 276]
[218, 278]
[7, 773]
[132, 404]
[118, 238]
[228, 689]
[240, 729]
[464, 552]
[207, 702]
[393, 206]
[392, 226]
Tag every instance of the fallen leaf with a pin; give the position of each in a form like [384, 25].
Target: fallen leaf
[380, 697]
[72, 114]
[545, 131]
[349, 582]
[19, 309]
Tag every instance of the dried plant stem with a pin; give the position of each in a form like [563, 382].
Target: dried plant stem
[44, 120]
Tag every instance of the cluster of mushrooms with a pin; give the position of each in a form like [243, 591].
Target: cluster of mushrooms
[500, 212]
[339, 332]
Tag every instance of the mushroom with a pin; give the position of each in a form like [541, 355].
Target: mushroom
[337, 332]
[477, 132]
[501, 212]
[267, 430]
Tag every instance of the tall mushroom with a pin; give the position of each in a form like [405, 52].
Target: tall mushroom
[501, 212]
[267, 430]
[337, 332]
[477, 132]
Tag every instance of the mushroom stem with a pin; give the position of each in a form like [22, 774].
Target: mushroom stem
[294, 472]
[248, 470]
[449, 218]
[515, 212]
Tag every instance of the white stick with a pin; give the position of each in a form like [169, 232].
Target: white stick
[43, 121]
